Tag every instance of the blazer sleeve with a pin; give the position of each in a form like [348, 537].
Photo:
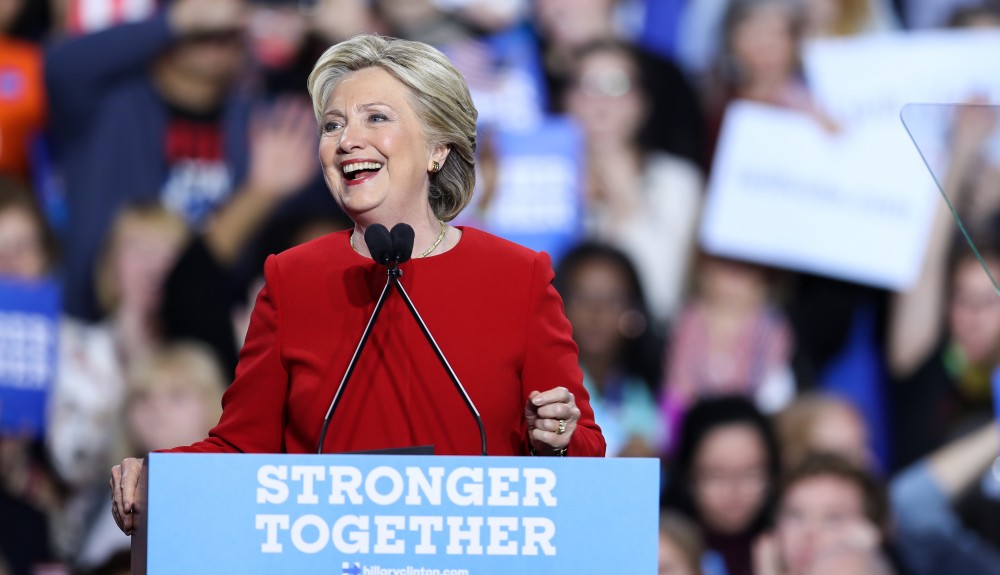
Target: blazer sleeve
[254, 407]
[552, 358]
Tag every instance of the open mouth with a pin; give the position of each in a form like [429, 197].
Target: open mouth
[357, 172]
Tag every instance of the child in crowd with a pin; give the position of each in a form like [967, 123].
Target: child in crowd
[729, 340]
[619, 352]
[173, 397]
[140, 250]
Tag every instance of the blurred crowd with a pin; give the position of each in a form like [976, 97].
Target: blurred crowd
[152, 153]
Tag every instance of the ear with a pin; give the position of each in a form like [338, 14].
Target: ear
[438, 154]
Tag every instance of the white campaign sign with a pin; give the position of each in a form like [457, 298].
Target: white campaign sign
[857, 204]
[857, 81]
[784, 192]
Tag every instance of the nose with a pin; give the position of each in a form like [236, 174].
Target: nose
[351, 138]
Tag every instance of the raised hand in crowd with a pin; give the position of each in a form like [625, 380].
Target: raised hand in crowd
[282, 162]
[282, 148]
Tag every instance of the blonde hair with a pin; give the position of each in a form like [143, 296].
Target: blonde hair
[438, 94]
[796, 423]
[155, 217]
[853, 16]
[194, 366]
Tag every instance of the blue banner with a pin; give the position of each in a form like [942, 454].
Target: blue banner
[29, 315]
[400, 515]
[538, 196]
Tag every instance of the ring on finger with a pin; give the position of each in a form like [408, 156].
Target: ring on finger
[562, 427]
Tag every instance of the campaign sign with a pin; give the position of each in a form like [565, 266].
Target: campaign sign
[399, 515]
[785, 192]
[537, 199]
[856, 203]
[29, 313]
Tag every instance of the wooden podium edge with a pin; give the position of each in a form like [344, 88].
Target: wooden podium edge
[140, 515]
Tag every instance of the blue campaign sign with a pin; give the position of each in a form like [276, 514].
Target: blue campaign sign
[538, 200]
[406, 515]
[29, 315]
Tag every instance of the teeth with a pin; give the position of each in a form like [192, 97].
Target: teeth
[350, 168]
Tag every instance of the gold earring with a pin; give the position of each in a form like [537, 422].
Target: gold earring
[435, 166]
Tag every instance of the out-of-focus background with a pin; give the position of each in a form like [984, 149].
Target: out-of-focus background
[767, 289]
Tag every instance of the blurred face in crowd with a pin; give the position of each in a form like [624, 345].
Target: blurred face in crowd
[572, 23]
[9, 10]
[730, 281]
[143, 254]
[730, 478]
[673, 559]
[168, 412]
[821, 16]
[373, 151]
[598, 308]
[840, 430]
[214, 58]
[336, 20]
[763, 44]
[405, 14]
[975, 311]
[22, 254]
[605, 97]
[819, 515]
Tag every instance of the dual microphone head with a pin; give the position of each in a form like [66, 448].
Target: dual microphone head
[389, 248]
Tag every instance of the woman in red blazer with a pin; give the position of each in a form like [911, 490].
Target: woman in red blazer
[398, 134]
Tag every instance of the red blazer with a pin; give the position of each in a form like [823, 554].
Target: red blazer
[491, 307]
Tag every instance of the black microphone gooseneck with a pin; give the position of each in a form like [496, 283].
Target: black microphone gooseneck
[402, 236]
[380, 247]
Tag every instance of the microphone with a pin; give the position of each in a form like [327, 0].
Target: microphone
[402, 239]
[402, 242]
[380, 246]
[379, 243]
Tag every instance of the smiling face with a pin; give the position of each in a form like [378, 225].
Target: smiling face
[375, 157]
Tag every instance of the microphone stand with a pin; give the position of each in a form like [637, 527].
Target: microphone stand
[444, 361]
[391, 254]
[394, 272]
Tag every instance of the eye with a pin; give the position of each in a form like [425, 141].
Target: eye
[378, 117]
[331, 126]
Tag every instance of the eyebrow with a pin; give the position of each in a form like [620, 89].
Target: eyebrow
[359, 108]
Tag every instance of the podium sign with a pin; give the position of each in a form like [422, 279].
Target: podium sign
[396, 515]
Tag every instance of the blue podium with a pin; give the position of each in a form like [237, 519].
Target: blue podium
[395, 515]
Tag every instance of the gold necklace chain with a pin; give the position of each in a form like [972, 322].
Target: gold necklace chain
[427, 252]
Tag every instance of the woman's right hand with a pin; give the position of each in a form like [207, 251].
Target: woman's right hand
[124, 485]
